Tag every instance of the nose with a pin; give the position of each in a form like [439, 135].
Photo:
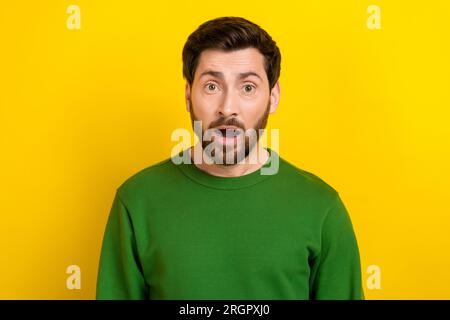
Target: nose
[229, 105]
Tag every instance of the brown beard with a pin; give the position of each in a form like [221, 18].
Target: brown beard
[260, 125]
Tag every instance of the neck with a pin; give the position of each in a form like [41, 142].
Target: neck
[235, 170]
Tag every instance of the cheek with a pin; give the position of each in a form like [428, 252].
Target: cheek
[204, 110]
[253, 110]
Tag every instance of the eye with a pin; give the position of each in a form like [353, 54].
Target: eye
[211, 87]
[248, 88]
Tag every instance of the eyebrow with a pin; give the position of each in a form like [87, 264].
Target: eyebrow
[220, 75]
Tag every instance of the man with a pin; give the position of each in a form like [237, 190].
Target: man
[208, 228]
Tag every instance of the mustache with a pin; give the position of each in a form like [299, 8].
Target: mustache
[231, 122]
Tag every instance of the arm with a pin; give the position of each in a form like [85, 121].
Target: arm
[120, 273]
[336, 270]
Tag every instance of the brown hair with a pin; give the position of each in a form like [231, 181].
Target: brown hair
[229, 34]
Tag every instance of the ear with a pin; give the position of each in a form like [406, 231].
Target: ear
[187, 95]
[274, 97]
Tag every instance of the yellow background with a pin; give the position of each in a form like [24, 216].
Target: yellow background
[82, 110]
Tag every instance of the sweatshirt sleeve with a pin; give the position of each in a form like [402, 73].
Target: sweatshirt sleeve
[120, 274]
[336, 271]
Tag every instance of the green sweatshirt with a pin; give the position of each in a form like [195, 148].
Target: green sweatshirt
[177, 232]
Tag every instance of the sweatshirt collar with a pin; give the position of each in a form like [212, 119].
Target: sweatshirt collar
[218, 182]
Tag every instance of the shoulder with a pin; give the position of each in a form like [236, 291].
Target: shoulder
[146, 179]
[299, 175]
[320, 198]
[305, 182]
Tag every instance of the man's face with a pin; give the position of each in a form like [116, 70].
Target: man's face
[231, 89]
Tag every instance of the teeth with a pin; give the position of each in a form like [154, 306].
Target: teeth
[229, 132]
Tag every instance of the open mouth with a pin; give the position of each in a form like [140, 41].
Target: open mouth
[230, 132]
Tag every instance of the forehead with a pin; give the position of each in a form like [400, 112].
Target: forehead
[231, 63]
